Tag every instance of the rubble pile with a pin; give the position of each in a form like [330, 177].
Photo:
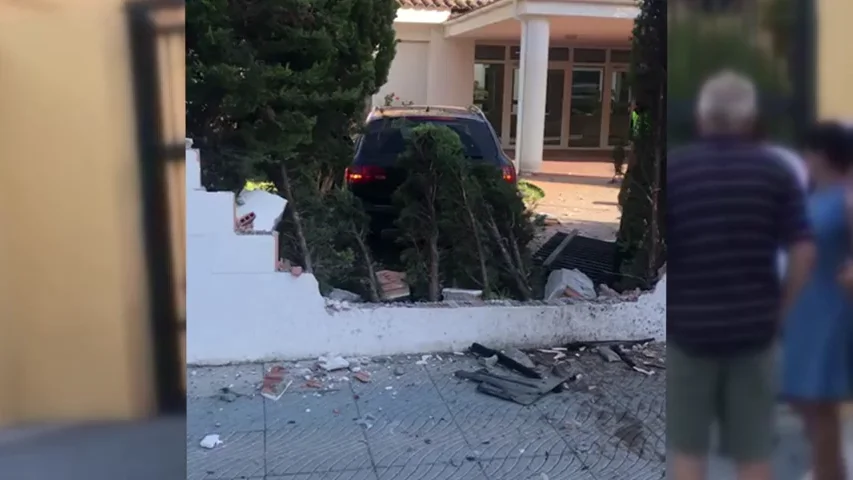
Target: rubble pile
[525, 377]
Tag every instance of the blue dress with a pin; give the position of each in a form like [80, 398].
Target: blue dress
[817, 337]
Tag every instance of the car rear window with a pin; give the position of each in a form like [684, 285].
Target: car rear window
[385, 138]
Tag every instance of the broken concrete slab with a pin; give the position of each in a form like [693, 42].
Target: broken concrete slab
[461, 295]
[392, 285]
[607, 354]
[344, 296]
[519, 357]
[524, 391]
[210, 441]
[330, 363]
[569, 283]
[504, 360]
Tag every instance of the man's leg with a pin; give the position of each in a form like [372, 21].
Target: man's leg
[748, 413]
[691, 391]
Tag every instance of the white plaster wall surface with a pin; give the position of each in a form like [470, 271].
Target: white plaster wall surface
[450, 79]
[283, 317]
[407, 77]
[239, 309]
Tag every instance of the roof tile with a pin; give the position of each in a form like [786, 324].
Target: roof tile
[452, 5]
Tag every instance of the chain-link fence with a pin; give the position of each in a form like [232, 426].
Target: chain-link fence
[770, 40]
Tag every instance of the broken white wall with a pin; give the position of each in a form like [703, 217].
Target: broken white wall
[240, 309]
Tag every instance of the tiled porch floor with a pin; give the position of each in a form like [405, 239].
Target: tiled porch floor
[580, 195]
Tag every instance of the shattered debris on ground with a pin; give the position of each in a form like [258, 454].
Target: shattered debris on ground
[525, 377]
[518, 380]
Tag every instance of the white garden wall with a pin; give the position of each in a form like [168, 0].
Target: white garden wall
[240, 309]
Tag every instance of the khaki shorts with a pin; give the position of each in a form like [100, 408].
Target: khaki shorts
[737, 393]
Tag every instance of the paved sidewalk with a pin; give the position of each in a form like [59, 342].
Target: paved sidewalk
[427, 424]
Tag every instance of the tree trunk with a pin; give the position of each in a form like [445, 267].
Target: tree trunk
[297, 221]
[371, 272]
[654, 226]
[520, 281]
[475, 230]
[434, 283]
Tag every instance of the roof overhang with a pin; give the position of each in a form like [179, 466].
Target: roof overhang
[422, 15]
[504, 10]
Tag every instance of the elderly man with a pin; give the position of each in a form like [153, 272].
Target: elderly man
[730, 204]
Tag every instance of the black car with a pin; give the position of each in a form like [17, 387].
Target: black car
[374, 175]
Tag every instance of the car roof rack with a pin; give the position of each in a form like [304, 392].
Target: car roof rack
[471, 109]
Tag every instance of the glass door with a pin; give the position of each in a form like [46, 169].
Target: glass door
[585, 110]
[489, 91]
[620, 109]
[553, 106]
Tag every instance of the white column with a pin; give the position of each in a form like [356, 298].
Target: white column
[519, 121]
[534, 82]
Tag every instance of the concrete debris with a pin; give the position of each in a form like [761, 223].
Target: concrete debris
[423, 360]
[330, 363]
[399, 371]
[273, 387]
[489, 362]
[608, 354]
[519, 357]
[313, 383]
[505, 360]
[644, 371]
[226, 395]
[366, 421]
[344, 296]
[337, 305]
[461, 295]
[607, 292]
[268, 207]
[569, 283]
[631, 295]
[562, 371]
[210, 441]
[392, 285]
[524, 391]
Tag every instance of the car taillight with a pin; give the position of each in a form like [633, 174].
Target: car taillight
[364, 174]
[509, 173]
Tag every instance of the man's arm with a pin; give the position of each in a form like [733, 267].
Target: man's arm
[795, 236]
[846, 275]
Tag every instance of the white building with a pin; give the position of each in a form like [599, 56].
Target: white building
[558, 68]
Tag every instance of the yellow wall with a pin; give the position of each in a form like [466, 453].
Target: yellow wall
[835, 63]
[73, 328]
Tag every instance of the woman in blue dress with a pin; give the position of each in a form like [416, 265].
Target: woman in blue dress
[818, 332]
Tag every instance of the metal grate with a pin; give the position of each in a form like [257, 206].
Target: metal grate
[594, 258]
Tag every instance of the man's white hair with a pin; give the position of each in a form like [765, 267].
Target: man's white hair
[728, 103]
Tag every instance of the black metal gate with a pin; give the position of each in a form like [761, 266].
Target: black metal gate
[153, 29]
[773, 41]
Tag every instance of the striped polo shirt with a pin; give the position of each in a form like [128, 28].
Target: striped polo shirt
[731, 204]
